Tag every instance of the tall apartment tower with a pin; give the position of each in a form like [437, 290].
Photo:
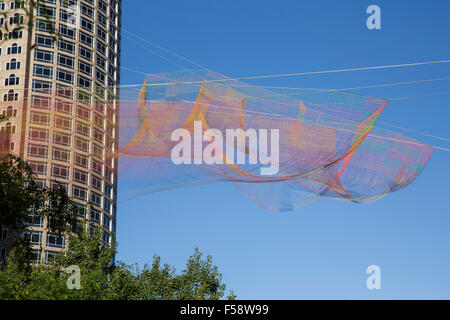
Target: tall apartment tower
[59, 78]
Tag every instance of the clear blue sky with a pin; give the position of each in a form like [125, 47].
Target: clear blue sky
[322, 250]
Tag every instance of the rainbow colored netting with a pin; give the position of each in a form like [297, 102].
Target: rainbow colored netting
[328, 145]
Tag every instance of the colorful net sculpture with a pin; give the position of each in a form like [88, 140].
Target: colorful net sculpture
[328, 146]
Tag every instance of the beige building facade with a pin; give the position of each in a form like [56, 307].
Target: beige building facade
[59, 88]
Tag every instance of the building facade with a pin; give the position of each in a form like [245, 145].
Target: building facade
[59, 78]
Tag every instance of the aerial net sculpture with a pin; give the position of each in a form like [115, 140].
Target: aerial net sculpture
[326, 141]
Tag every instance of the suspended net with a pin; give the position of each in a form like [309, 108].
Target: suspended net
[199, 127]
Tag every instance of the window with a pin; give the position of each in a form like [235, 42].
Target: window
[102, 6]
[100, 90]
[101, 48]
[83, 113]
[66, 46]
[64, 91]
[112, 44]
[83, 129]
[54, 240]
[68, 3]
[12, 80]
[10, 112]
[83, 82]
[35, 256]
[66, 16]
[82, 144]
[106, 238]
[63, 123]
[96, 183]
[17, 4]
[43, 56]
[3, 253]
[61, 154]
[101, 62]
[62, 139]
[98, 136]
[4, 233]
[95, 215]
[87, 25]
[66, 61]
[40, 184]
[107, 222]
[11, 96]
[85, 53]
[40, 102]
[111, 71]
[112, 30]
[41, 86]
[80, 210]
[38, 167]
[38, 134]
[14, 49]
[107, 205]
[84, 97]
[87, 10]
[101, 33]
[16, 18]
[97, 167]
[62, 106]
[85, 68]
[67, 31]
[47, 12]
[42, 71]
[102, 19]
[45, 26]
[44, 41]
[40, 118]
[79, 193]
[112, 16]
[56, 185]
[108, 174]
[60, 171]
[86, 39]
[50, 256]
[64, 76]
[81, 161]
[96, 199]
[13, 64]
[80, 176]
[16, 33]
[35, 237]
[38, 151]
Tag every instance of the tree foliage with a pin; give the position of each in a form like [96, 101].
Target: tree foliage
[103, 280]
[20, 197]
[101, 277]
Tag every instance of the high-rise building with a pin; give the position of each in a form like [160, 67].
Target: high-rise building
[59, 78]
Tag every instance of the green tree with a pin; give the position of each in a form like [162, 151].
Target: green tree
[20, 197]
[101, 279]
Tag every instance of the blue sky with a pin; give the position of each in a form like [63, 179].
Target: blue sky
[320, 251]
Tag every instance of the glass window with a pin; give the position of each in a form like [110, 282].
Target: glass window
[43, 56]
[54, 240]
[66, 61]
[42, 71]
[44, 41]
